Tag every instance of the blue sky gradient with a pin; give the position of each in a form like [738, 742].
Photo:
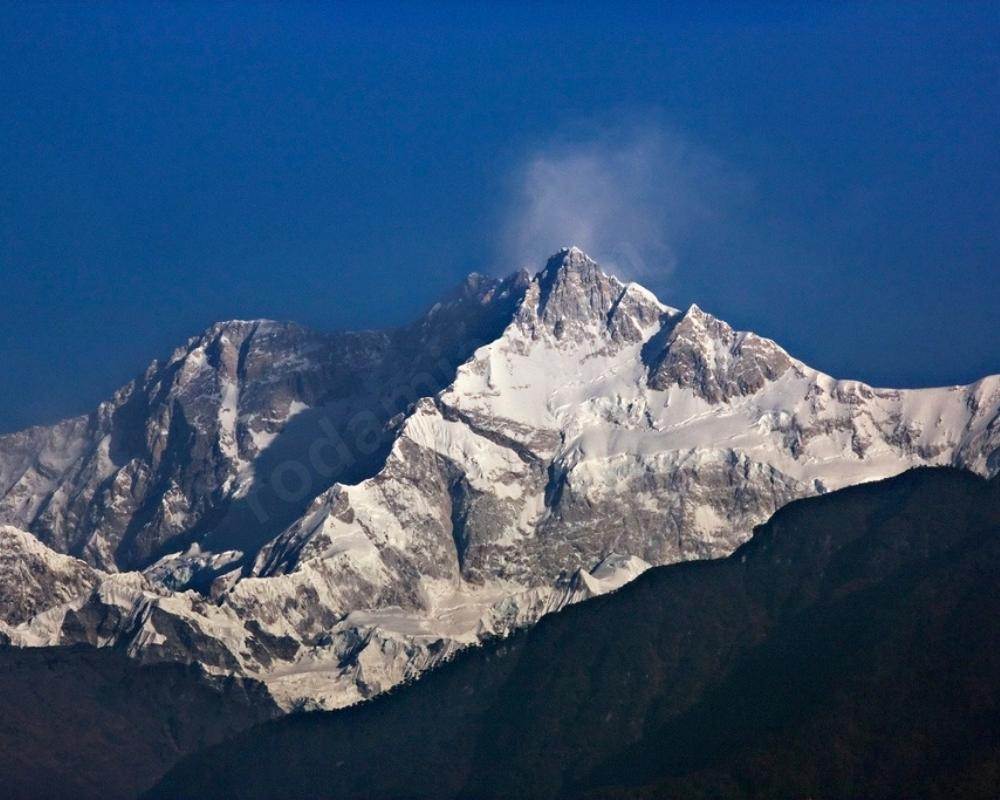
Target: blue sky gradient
[826, 175]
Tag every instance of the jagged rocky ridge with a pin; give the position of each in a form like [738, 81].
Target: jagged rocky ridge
[166, 461]
[334, 513]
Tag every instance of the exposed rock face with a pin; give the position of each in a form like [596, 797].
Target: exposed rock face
[704, 354]
[34, 579]
[560, 434]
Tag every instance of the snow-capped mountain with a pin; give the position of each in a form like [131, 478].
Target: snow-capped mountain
[161, 463]
[352, 508]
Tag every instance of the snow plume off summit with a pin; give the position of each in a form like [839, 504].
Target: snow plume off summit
[635, 198]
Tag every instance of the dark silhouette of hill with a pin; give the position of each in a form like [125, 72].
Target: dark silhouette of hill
[85, 723]
[850, 649]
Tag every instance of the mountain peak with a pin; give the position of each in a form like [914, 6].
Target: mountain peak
[570, 259]
[705, 354]
[572, 300]
[572, 271]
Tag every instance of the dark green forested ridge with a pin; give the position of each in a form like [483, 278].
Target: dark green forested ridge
[850, 649]
[81, 723]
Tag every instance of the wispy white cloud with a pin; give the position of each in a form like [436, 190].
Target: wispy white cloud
[633, 198]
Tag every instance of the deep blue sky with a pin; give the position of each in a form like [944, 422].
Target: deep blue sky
[165, 166]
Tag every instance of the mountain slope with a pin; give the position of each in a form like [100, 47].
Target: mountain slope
[582, 432]
[849, 649]
[165, 460]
